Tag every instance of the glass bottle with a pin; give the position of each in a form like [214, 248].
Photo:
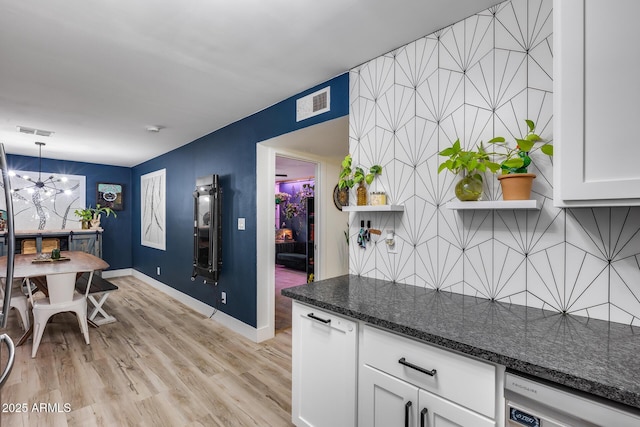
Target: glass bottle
[361, 193]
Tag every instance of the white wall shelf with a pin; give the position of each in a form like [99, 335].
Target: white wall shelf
[494, 204]
[378, 208]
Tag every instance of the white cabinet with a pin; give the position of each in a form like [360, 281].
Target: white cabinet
[387, 401]
[596, 108]
[407, 383]
[438, 412]
[324, 362]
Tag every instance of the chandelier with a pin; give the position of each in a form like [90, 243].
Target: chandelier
[48, 187]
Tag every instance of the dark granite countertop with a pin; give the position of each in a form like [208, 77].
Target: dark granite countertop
[593, 356]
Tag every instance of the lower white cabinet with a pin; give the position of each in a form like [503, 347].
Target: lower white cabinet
[403, 382]
[347, 373]
[325, 366]
[386, 401]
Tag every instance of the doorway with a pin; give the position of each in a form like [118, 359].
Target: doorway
[295, 231]
[325, 145]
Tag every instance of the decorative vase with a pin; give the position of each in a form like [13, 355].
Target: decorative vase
[361, 193]
[85, 224]
[516, 186]
[469, 189]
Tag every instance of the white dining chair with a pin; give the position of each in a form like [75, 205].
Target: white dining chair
[62, 298]
[18, 301]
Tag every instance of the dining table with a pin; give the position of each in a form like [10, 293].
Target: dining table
[63, 271]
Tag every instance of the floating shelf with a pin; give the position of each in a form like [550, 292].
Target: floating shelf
[378, 208]
[494, 204]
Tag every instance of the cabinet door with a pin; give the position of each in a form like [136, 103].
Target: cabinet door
[324, 377]
[90, 243]
[385, 401]
[596, 105]
[438, 412]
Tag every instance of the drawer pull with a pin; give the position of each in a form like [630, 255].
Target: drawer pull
[407, 407]
[319, 319]
[423, 417]
[403, 361]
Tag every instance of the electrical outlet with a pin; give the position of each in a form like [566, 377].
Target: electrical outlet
[223, 297]
[158, 271]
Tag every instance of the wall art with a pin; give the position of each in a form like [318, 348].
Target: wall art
[153, 209]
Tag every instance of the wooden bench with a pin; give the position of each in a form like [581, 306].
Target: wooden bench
[100, 288]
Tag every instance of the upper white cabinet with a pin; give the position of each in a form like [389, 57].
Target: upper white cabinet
[596, 103]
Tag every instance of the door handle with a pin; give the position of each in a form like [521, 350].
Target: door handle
[404, 362]
[423, 417]
[319, 319]
[10, 358]
[407, 407]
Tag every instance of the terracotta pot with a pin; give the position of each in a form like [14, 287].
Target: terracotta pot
[516, 186]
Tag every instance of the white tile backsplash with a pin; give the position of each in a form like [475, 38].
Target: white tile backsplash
[475, 79]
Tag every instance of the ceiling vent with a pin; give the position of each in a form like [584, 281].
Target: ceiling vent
[311, 105]
[33, 131]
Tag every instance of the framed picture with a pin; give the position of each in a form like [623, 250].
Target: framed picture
[48, 204]
[110, 196]
[153, 212]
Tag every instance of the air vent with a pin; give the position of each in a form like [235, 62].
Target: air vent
[33, 131]
[311, 105]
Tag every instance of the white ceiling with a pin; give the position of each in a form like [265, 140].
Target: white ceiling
[97, 73]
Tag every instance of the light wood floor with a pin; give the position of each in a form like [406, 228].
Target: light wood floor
[161, 364]
[285, 278]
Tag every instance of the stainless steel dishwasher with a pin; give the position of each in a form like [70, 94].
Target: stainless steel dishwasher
[534, 404]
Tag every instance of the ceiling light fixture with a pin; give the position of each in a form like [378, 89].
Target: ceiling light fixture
[154, 129]
[47, 187]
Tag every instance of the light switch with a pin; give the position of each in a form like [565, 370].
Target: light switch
[241, 224]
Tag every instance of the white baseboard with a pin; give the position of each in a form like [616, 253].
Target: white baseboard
[249, 332]
[117, 273]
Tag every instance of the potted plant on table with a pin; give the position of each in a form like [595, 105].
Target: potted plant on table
[515, 180]
[349, 176]
[472, 164]
[90, 217]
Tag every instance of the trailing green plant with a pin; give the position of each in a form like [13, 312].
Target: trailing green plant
[297, 204]
[470, 162]
[349, 175]
[517, 159]
[87, 214]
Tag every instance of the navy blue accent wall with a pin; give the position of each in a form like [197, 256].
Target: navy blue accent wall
[116, 238]
[231, 153]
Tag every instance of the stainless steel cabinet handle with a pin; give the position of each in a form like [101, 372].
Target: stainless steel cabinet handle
[12, 352]
[319, 319]
[407, 407]
[423, 417]
[404, 362]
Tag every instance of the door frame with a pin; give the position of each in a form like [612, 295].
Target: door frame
[265, 236]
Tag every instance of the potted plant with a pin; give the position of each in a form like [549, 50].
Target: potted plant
[472, 164]
[90, 217]
[515, 180]
[349, 176]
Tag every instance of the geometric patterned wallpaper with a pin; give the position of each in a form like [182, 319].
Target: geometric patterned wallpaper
[473, 80]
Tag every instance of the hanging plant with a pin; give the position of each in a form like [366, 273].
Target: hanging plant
[297, 204]
[282, 197]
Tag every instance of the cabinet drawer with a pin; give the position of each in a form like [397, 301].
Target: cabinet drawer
[461, 379]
